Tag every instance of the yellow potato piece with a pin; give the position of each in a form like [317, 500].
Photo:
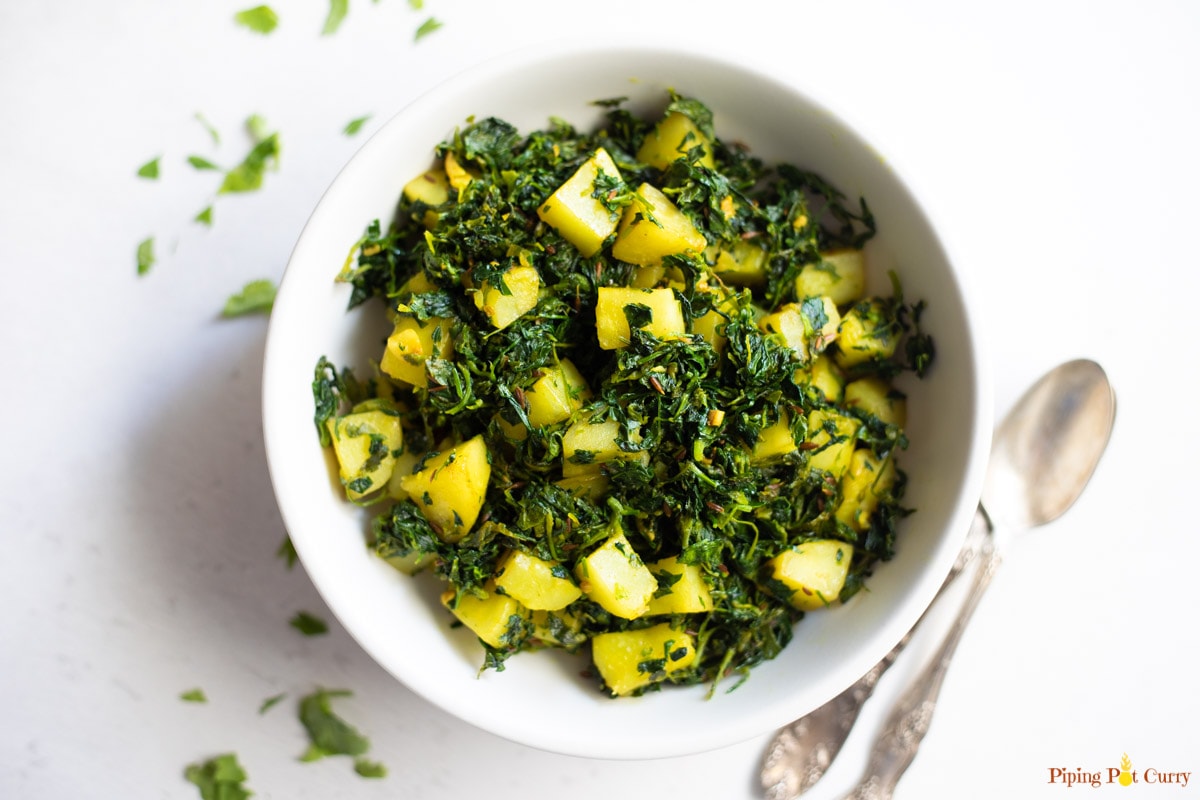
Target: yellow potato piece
[536, 584]
[558, 394]
[866, 334]
[688, 594]
[671, 139]
[866, 480]
[500, 621]
[652, 227]
[612, 324]
[579, 217]
[451, 487]
[366, 445]
[773, 441]
[615, 578]
[876, 397]
[503, 309]
[631, 660]
[831, 452]
[411, 344]
[814, 571]
[839, 275]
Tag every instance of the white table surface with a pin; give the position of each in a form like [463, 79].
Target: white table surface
[1054, 142]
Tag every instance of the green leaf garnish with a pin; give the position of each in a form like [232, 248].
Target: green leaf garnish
[201, 163]
[145, 255]
[194, 696]
[287, 551]
[208, 126]
[149, 170]
[308, 624]
[271, 702]
[355, 125]
[255, 297]
[260, 19]
[337, 13]
[219, 778]
[329, 734]
[205, 217]
[427, 27]
[248, 175]
[369, 769]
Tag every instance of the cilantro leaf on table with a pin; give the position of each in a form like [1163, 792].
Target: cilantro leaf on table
[271, 702]
[355, 125]
[149, 170]
[145, 255]
[335, 17]
[329, 734]
[260, 19]
[255, 297]
[219, 778]
[308, 624]
[248, 175]
[194, 696]
[201, 163]
[369, 769]
[427, 27]
[205, 217]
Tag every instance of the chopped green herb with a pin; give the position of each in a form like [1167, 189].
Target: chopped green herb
[254, 298]
[219, 778]
[416, 5]
[205, 217]
[194, 696]
[329, 734]
[427, 27]
[369, 769]
[287, 551]
[149, 170]
[271, 702]
[309, 625]
[260, 19]
[145, 255]
[248, 175]
[202, 163]
[355, 125]
[208, 126]
[337, 13]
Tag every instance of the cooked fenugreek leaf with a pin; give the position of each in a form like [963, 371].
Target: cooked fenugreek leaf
[145, 255]
[308, 624]
[194, 696]
[271, 702]
[201, 163]
[356, 125]
[248, 175]
[425, 28]
[150, 169]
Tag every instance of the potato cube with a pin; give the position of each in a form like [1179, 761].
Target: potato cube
[535, 583]
[587, 444]
[672, 138]
[558, 629]
[824, 375]
[773, 441]
[814, 572]
[579, 217]
[652, 227]
[614, 577]
[807, 327]
[840, 275]
[451, 487]
[741, 264]
[631, 660]
[876, 397]
[503, 309]
[687, 593]
[558, 394]
[866, 334]
[366, 445]
[496, 619]
[831, 451]
[457, 174]
[710, 324]
[592, 485]
[665, 318]
[411, 344]
[431, 188]
[867, 479]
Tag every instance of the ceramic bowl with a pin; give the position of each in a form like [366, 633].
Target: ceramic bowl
[540, 699]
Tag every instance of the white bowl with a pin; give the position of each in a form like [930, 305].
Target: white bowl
[540, 699]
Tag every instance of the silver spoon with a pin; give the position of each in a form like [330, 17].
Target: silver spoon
[1043, 455]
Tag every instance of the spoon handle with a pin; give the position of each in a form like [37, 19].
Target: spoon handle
[905, 728]
[800, 752]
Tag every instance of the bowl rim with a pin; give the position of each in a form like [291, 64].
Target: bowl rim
[750, 725]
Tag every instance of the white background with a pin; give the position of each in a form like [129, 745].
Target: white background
[1055, 144]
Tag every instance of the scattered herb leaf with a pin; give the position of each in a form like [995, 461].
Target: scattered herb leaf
[287, 551]
[194, 696]
[205, 217]
[219, 778]
[369, 769]
[271, 702]
[355, 125]
[260, 19]
[145, 255]
[201, 163]
[149, 170]
[337, 13]
[427, 27]
[248, 175]
[255, 297]
[309, 625]
[329, 734]
[208, 126]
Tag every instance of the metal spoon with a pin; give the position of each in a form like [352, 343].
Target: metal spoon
[1043, 455]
